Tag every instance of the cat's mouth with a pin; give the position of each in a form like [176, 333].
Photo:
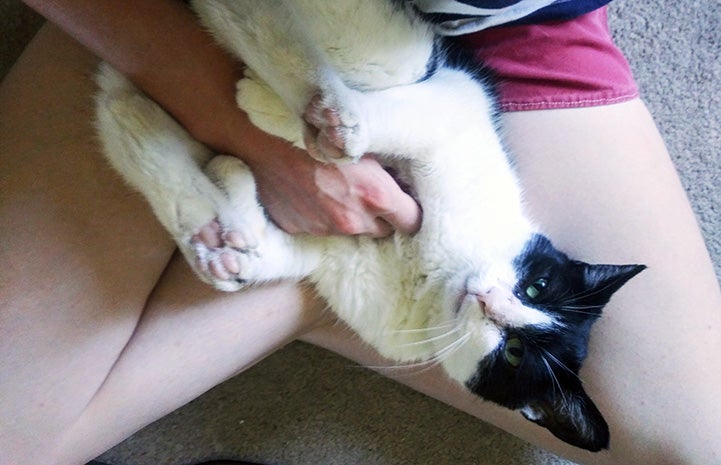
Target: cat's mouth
[469, 304]
[464, 302]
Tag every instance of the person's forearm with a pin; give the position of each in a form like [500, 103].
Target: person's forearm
[162, 48]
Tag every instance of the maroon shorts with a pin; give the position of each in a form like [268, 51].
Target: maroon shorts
[560, 64]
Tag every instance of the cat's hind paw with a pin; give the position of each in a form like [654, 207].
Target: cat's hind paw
[334, 129]
[225, 258]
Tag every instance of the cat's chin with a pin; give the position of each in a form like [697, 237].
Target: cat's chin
[474, 336]
[462, 361]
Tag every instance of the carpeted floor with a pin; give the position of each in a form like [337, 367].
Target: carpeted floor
[303, 406]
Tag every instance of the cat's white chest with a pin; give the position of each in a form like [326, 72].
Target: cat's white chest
[370, 43]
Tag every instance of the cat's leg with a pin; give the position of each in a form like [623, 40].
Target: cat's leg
[336, 127]
[267, 110]
[255, 250]
[408, 121]
[157, 157]
[285, 69]
[268, 40]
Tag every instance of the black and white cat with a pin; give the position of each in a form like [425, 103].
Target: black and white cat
[478, 289]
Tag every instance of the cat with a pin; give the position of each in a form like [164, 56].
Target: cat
[478, 289]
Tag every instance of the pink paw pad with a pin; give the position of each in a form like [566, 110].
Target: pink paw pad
[327, 133]
[222, 256]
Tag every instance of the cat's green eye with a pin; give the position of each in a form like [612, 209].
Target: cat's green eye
[513, 351]
[535, 289]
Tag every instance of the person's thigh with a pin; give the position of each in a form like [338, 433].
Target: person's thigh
[600, 182]
[79, 254]
[91, 349]
[189, 339]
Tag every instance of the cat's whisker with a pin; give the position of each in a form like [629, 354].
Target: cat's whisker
[399, 367]
[591, 292]
[422, 330]
[431, 339]
[550, 371]
[556, 383]
[450, 349]
[437, 358]
[573, 298]
[580, 307]
[559, 363]
[415, 368]
[579, 310]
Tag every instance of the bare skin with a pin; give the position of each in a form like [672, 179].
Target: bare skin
[102, 332]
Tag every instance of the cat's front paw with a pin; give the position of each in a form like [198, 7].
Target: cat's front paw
[335, 128]
[224, 257]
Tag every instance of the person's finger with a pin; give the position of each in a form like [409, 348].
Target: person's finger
[406, 215]
[382, 229]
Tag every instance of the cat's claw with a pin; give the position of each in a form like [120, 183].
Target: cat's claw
[224, 258]
[333, 131]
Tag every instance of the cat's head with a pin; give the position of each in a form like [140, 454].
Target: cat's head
[532, 332]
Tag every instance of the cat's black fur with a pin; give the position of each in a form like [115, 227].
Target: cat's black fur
[543, 380]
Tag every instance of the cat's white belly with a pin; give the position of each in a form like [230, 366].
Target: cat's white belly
[377, 288]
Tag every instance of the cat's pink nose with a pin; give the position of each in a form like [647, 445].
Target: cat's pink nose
[496, 303]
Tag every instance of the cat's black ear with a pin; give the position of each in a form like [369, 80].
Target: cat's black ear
[603, 280]
[573, 418]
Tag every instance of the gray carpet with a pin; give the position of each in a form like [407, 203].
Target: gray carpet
[303, 406]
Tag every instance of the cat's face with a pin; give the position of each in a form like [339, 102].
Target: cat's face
[531, 330]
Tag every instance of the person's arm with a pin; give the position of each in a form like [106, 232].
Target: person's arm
[163, 49]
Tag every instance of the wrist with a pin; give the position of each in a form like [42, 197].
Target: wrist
[229, 131]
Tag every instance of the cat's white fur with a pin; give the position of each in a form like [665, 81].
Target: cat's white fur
[429, 296]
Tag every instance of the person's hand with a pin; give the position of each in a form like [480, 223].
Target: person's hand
[303, 195]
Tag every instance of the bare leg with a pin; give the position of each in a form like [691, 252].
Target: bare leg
[90, 349]
[600, 182]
